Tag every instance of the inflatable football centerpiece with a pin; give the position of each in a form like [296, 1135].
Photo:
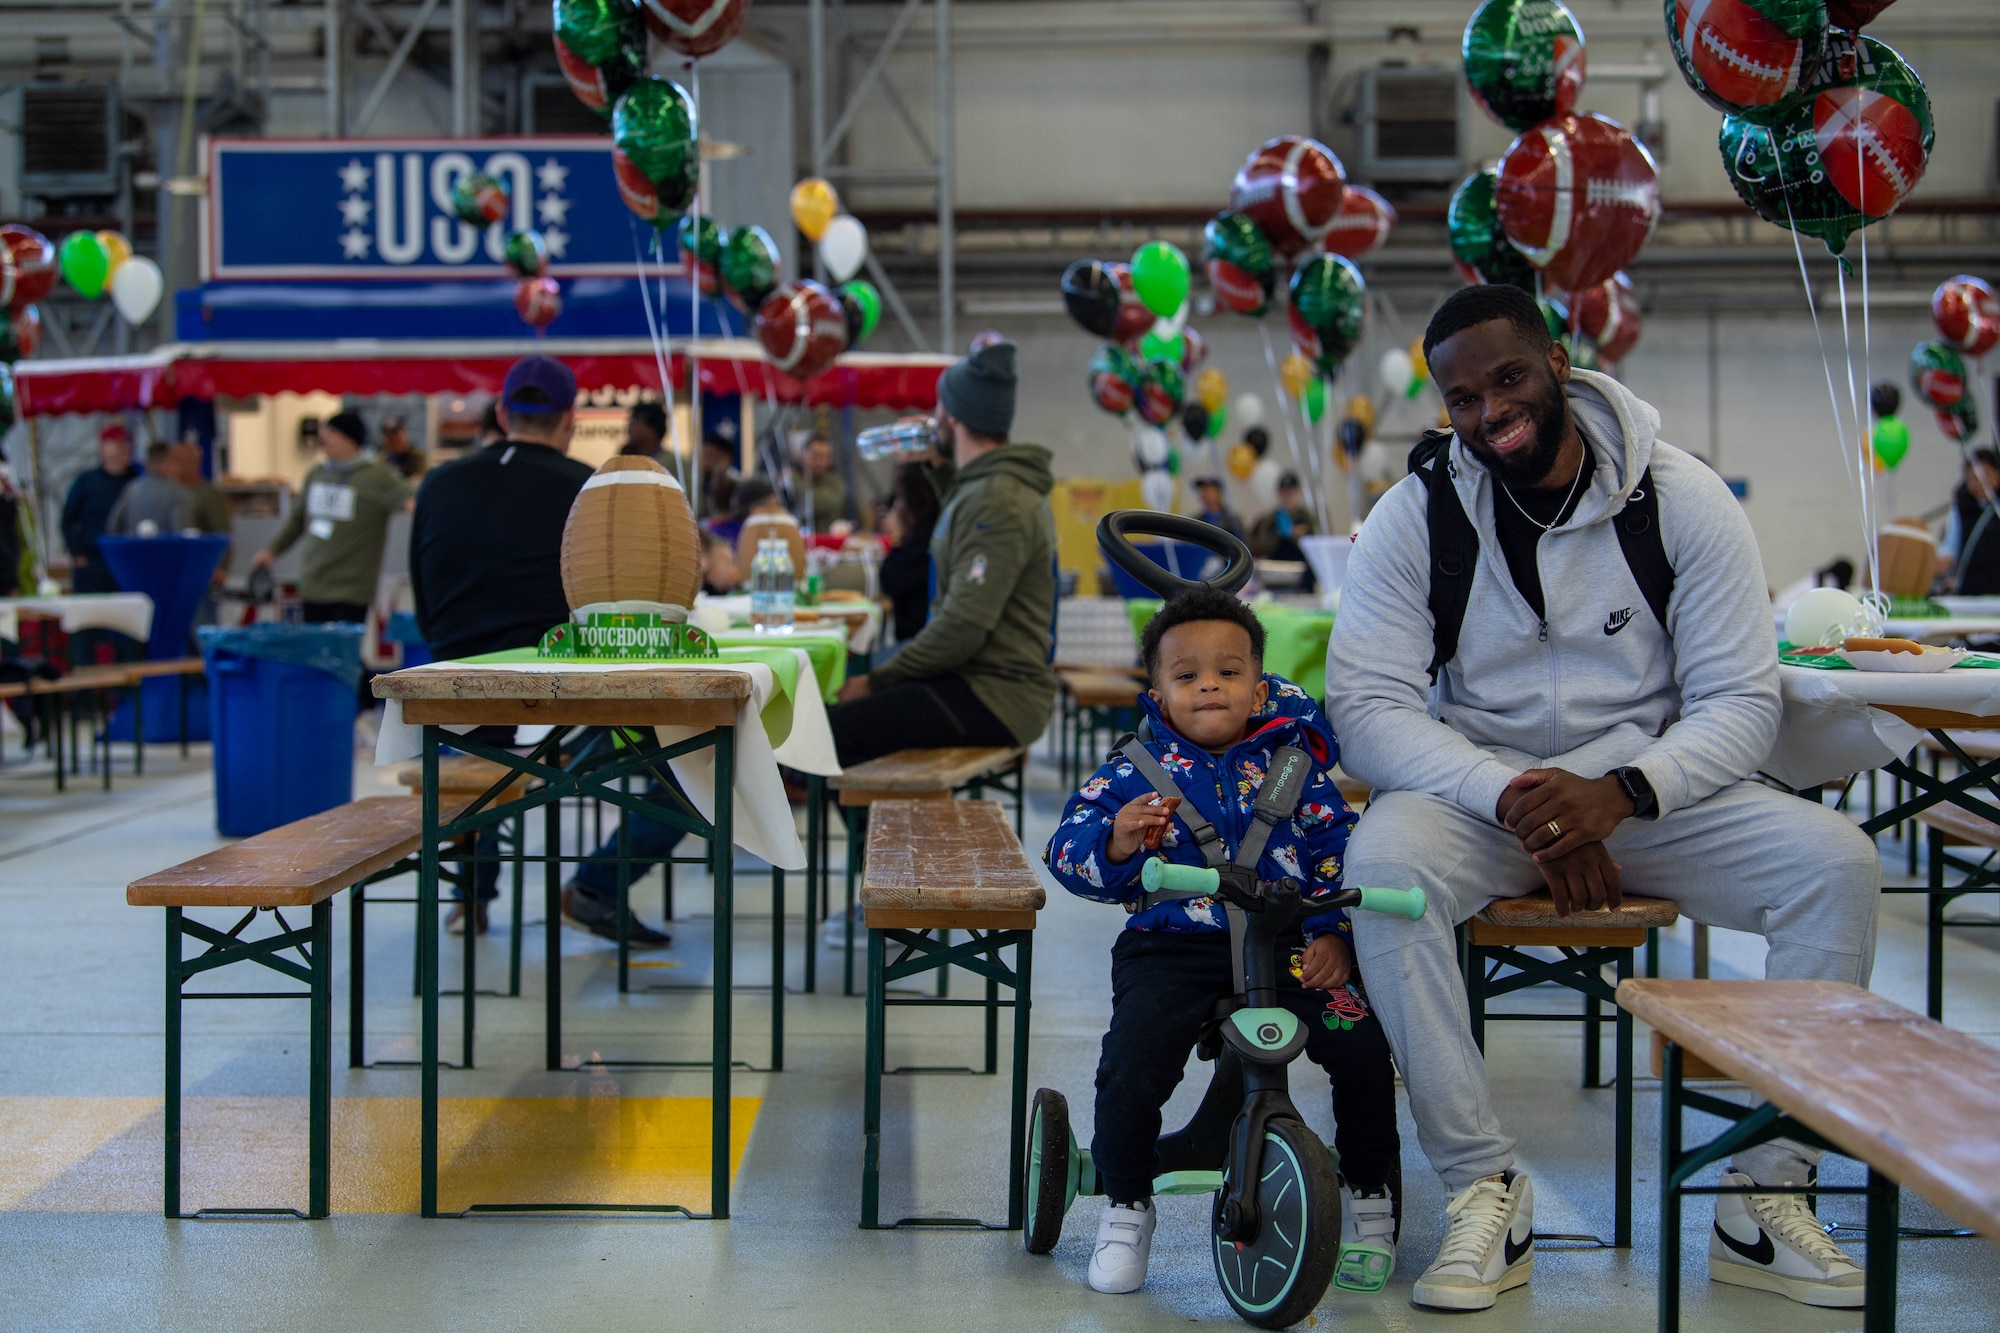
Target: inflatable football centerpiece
[631, 565]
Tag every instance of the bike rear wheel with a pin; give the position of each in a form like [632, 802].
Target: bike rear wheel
[1277, 1279]
[1048, 1171]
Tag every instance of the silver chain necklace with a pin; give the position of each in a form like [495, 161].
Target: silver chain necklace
[1574, 483]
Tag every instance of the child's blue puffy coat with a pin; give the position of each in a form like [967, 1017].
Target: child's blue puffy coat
[1224, 788]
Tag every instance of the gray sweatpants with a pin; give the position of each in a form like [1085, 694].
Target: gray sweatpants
[1748, 858]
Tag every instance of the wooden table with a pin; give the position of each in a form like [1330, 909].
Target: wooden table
[1840, 1068]
[438, 696]
[940, 866]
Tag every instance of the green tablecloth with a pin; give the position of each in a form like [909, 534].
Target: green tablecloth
[1294, 640]
[826, 648]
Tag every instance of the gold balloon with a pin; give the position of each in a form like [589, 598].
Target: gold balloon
[814, 205]
[1242, 462]
[1211, 389]
[1420, 367]
[116, 251]
[1362, 409]
[1294, 373]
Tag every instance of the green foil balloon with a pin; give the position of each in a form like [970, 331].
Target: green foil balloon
[84, 263]
[1840, 155]
[653, 125]
[1960, 423]
[1160, 277]
[864, 295]
[1937, 373]
[600, 31]
[749, 266]
[1152, 345]
[1329, 303]
[1478, 243]
[1524, 60]
[1240, 267]
[1582, 351]
[699, 239]
[527, 254]
[1556, 315]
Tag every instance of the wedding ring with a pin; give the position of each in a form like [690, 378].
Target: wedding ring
[1555, 832]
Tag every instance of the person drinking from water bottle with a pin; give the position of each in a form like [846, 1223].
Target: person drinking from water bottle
[1217, 718]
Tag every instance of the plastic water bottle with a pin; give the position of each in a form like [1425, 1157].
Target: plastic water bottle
[911, 435]
[773, 589]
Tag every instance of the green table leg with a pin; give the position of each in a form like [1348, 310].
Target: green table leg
[357, 971]
[777, 969]
[171, 1112]
[723, 847]
[815, 867]
[1884, 1221]
[1017, 1137]
[319, 1135]
[427, 967]
[871, 1104]
[552, 932]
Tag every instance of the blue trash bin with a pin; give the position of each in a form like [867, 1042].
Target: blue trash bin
[281, 714]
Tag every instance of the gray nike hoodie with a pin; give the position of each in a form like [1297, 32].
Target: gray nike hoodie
[1598, 686]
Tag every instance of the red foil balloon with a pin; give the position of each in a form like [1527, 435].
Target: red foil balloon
[1363, 223]
[584, 79]
[1608, 314]
[1967, 314]
[1194, 348]
[1578, 195]
[695, 27]
[27, 325]
[1133, 317]
[27, 266]
[538, 301]
[802, 328]
[1291, 188]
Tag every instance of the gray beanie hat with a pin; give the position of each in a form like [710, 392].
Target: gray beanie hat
[979, 390]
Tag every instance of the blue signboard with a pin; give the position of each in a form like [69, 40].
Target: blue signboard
[381, 208]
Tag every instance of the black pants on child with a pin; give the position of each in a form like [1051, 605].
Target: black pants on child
[1164, 986]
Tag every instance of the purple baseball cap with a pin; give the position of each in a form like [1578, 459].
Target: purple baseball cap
[538, 386]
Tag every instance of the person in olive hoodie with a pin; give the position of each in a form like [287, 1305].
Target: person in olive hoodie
[346, 504]
[978, 673]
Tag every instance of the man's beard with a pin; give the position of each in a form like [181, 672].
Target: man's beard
[1551, 413]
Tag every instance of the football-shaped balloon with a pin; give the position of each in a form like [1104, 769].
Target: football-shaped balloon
[1161, 388]
[1091, 296]
[631, 537]
[1937, 373]
[1608, 314]
[527, 254]
[1744, 57]
[597, 31]
[1555, 314]
[1523, 60]
[1194, 349]
[1361, 225]
[653, 124]
[27, 266]
[538, 300]
[1329, 303]
[1959, 423]
[699, 243]
[1479, 245]
[599, 86]
[1240, 267]
[1291, 189]
[21, 335]
[696, 27]
[479, 200]
[1133, 317]
[1967, 314]
[1114, 379]
[1851, 14]
[749, 266]
[1578, 195]
[639, 194]
[802, 328]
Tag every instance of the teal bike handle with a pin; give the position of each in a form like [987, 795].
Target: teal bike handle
[1164, 876]
[1393, 902]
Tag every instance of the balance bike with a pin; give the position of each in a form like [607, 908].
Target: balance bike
[1276, 1217]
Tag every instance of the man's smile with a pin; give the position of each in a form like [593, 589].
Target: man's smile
[1518, 435]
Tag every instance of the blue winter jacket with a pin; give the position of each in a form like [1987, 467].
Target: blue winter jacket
[1224, 788]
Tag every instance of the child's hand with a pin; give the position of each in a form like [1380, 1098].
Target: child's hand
[1327, 964]
[1141, 822]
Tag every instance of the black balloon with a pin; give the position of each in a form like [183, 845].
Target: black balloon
[1194, 420]
[1353, 435]
[850, 310]
[1885, 398]
[1090, 294]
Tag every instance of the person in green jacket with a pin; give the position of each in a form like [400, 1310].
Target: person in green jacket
[978, 673]
[343, 514]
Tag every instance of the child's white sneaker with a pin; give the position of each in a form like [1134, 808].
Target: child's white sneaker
[1367, 1239]
[1124, 1240]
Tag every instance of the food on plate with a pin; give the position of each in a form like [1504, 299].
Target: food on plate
[1866, 645]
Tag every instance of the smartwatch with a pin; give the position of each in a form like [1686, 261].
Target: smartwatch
[1645, 805]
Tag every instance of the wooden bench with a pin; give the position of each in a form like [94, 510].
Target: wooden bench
[1094, 700]
[62, 696]
[1585, 942]
[927, 775]
[1947, 826]
[1837, 1066]
[300, 865]
[935, 867]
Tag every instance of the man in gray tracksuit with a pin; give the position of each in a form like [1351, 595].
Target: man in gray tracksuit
[1574, 742]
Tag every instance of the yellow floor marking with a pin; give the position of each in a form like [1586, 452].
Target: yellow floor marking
[104, 1154]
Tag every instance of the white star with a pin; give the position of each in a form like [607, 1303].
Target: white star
[552, 176]
[552, 210]
[557, 240]
[354, 245]
[354, 211]
[354, 176]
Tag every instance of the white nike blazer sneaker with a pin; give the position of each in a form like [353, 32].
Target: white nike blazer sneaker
[1124, 1242]
[1772, 1242]
[1489, 1248]
[1367, 1239]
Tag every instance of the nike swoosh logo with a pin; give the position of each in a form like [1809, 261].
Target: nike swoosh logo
[1617, 620]
[1515, 1249]
[1763, 1253]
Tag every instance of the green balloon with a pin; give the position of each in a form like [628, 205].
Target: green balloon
[653, 124]
[1582, 351]
[1556, 315]
[1808, 169]
[1478, 242]
[1239, 261]
[1160, 277]
[1173, 462]
[84, 263]
[1152, 345]
[1217, 421]
[1889, 441]
[1329, 302]
[1760, 85]
[1313, 400]
[699, 239]
[600, 31]
[749, 266]
[1960, 423]
[527, 254]
[1937, 373]
[1524, 60]
[864, 295]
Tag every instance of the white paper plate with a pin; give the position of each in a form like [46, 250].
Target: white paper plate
[1915, 664]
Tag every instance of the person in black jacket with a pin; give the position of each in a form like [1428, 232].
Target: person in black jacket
[905, 576]
[87, 509]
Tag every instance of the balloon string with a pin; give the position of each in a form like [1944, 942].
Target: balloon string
[694, 304]
[1864, 461]
[1291, 435]
[660, 355]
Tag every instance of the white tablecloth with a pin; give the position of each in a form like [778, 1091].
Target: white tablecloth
[1938, 629]
[1830, 729]
[863, 619]
[129, 613]
[762, 814]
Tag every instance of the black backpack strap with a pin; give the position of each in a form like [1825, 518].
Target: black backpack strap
[1639, 537]
[1454, 546]
[1277, 801]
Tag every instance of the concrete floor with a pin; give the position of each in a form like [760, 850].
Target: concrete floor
[81, 1247]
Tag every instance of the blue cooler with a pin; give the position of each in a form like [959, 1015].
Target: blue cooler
[281, 714]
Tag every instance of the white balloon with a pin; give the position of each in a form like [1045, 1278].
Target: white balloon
[1156, 488]
[1398, 371]
[1826, 616]
[843, 247]
[1248, 412]
[1264, 482]
[1149, 443]
[136, 289]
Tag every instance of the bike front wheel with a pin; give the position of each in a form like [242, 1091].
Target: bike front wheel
[1277, 1279]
